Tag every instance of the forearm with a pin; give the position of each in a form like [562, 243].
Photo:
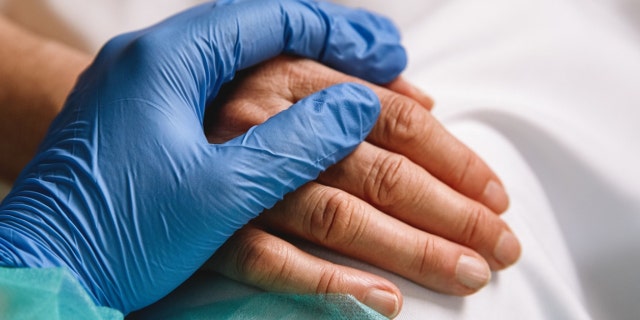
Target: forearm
[36, 75]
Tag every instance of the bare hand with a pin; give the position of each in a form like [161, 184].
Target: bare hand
[412, 200]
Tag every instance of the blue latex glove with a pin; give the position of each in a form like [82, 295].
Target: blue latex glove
[126, 191]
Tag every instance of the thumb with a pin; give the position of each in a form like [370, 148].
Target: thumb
[294, 146]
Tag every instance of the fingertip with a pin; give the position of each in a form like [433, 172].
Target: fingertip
[472, 272]
[351, 110]
[384, 302]
[360, 101]
[495, 197]
[507, 250]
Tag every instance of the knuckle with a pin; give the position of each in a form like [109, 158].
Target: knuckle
[467, 161]
[255, 260]
[426, 260]
[381, 187]
[339, 220]
[329, 281]
[250, 255]
[471, 228]
[405, 123]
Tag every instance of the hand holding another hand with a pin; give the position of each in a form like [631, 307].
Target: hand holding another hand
[126, 192]
[412, 199]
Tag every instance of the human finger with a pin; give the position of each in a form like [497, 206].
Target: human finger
[261, 259]
[334, 219]
[405, 126]
[401, 188]
[402, 86]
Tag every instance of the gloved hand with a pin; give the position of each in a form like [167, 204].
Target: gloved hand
[126, 191]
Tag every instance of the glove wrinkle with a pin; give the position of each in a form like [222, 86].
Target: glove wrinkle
[126, 192]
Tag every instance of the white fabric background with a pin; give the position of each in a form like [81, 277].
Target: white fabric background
[545, 90]
[558, 80]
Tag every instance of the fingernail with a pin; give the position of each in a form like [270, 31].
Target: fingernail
[495, 197]
[507, 250]
[472, 273]
[386, 303]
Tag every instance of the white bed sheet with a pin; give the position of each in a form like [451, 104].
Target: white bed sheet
[559, 80]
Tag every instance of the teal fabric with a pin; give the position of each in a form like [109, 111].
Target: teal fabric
[281, 306]
[50, 293]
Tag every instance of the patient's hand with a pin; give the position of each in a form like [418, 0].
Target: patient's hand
[412, 200]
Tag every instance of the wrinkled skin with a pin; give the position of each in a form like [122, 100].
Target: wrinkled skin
[412, 199]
